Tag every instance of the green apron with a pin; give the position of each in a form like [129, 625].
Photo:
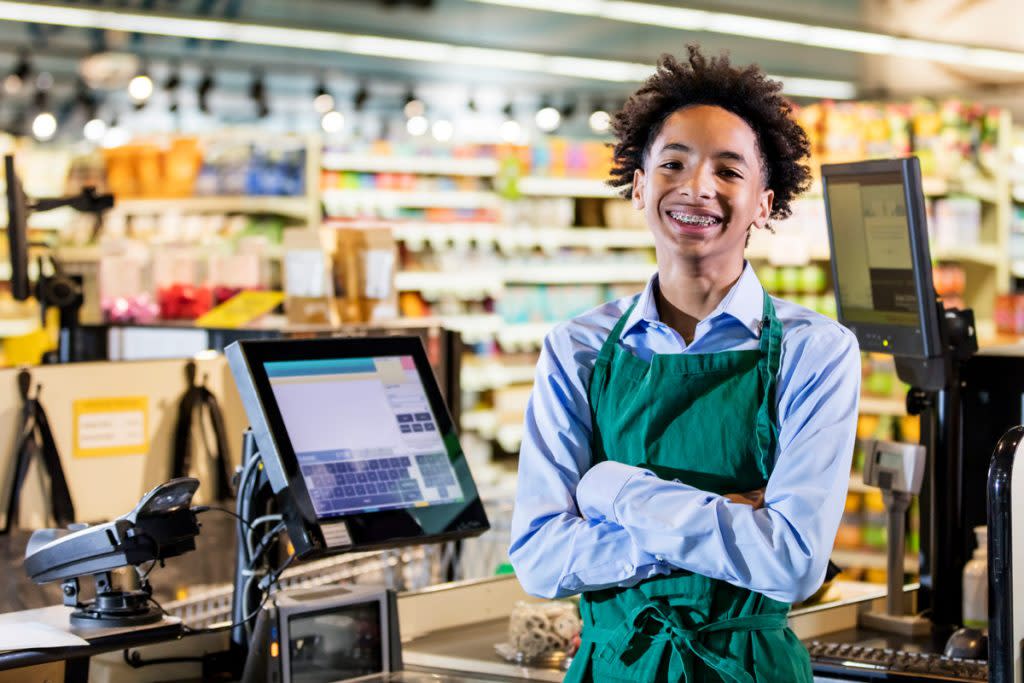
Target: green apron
[707, 420]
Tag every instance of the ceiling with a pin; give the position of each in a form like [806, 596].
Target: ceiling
[291, 71]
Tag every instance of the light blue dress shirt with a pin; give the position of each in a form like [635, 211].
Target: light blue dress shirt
[578, 528]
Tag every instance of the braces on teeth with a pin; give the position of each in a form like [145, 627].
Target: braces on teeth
[694, 220]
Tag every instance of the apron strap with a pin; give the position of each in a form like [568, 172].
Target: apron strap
[604, 356]
[599, 378]
[655, 624]
[771, 355]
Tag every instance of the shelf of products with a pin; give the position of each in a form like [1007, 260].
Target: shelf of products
[335, 201]
[369, 163]
[296, 207]
[537, 186]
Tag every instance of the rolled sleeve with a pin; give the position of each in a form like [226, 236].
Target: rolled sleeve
[600, 487]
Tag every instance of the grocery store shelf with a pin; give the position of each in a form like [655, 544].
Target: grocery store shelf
[539, 186]
[981, 188]
[473, 328]
[984, 254]
[16, 327]
[857, 484]
[509, 238]
[882, 406]
[871, 559]
[420, 164]
[597, 273]
[524, 335]
[510, 437]
[298, 207]
[494, 375]
[466, 284]
[335, 199]
[977, 187]
[493, 281]
[483, 422]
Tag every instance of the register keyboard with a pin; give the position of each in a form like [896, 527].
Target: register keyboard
[893, 665]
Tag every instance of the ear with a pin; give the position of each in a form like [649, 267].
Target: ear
[764, 208]
[638, 189]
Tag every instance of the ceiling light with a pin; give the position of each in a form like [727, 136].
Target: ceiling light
[442, 130]
[417, 125]
[337, 42]
[864, 42]
[510, 131]
[333, 122]
[140, 88]
[323, 101]
[94, 130]
[548, 119]
[44, 126]
[600, 121]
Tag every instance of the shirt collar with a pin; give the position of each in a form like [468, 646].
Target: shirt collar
[744, 302]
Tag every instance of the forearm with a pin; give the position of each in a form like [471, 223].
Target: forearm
[776, 550]
[565, 554]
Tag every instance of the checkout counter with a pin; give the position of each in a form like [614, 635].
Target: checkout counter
[388, 472]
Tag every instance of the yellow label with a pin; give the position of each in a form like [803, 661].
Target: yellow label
[240, 309]
[117, 425]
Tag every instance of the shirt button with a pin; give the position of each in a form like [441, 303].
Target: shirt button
[659, 558]
[626, 566]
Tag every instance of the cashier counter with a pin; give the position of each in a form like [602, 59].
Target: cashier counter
[447, 633]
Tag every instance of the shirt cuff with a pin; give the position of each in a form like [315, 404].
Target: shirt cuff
[600, 488]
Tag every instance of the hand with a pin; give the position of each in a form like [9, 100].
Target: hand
[754, 499]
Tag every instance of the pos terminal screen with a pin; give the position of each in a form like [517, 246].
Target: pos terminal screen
[364, 434]
[872, 251]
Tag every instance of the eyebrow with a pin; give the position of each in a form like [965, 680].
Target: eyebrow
[725, 154]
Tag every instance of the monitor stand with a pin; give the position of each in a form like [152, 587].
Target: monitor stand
[935, 397]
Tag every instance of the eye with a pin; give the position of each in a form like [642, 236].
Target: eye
[672, 165]
[729, 173]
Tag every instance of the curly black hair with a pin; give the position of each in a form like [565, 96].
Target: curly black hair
[746, 92]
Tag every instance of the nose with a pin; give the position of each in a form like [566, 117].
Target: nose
[699, 184]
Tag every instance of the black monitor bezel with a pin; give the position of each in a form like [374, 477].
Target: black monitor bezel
[17, 232]
[903, 341]
[369, 530]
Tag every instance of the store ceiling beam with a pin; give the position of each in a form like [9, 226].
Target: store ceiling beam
[792, 32]
[368, 45]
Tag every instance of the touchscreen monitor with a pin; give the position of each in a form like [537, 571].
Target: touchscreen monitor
[356, 441]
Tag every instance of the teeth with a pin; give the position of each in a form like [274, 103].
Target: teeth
[692, 219]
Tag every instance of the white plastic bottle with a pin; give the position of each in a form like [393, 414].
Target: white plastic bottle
[975, 606]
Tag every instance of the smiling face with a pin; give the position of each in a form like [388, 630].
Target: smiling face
[702, 187]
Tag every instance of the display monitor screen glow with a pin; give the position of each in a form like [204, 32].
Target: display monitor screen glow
[872, 251]
[364, 434]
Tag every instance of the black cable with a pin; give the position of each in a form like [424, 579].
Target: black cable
[199, 509]
[265, 542]
[270, 579]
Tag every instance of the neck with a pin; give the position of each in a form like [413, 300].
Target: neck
[688, 291]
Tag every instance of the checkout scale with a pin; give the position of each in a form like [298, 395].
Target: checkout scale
[388, 471]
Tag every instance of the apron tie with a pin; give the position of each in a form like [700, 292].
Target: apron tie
[655, 624]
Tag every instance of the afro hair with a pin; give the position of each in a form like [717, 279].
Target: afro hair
[746, 92]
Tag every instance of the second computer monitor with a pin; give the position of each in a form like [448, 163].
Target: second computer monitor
[881, 264]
